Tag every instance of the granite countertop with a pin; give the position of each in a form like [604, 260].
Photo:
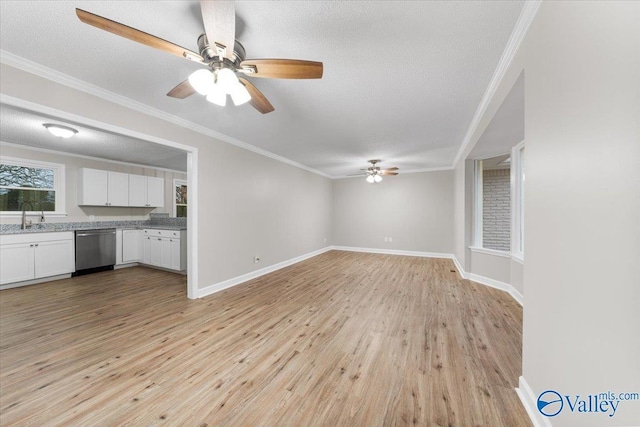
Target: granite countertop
[52, 227]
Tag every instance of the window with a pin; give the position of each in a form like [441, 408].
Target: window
[517, 218]
[30, 184]
[180, 198]
[493, 203]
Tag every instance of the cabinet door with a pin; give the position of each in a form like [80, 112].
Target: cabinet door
[174, 262]
[155, 257]
[155, 192]
[137, 190]
[132, 246]
[92, 187]
[53, 258]
[165, 253]
[118, 189]
[146, 250]
[16, 262]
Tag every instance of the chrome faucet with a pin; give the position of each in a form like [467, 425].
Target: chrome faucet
[27, 224]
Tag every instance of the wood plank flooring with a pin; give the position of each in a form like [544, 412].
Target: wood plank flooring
[341, 339]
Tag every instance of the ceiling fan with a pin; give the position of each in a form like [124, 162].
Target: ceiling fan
[221, 53]
[374, 174]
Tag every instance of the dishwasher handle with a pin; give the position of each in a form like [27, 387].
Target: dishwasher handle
[93, 233]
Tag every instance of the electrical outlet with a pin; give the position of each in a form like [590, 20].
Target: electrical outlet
[391, 239]
[92, 217]
[325, 240]
[386, 239]
[256, 259]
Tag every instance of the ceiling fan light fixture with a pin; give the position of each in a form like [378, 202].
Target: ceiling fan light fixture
[370, 179]
[239, 94]
[226, 79]
[202, 81]
[217, 96]
[60, 131]
[377, 178]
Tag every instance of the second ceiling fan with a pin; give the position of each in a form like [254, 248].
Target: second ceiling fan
[374, 174]
[223, 55]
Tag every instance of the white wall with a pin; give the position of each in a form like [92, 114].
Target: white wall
[82, 213]
[415, 210]
[581, 331]
[582, 208]
[237, 189]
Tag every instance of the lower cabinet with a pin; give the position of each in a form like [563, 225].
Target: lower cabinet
[32, 256]
[164, 248]
[131, 246]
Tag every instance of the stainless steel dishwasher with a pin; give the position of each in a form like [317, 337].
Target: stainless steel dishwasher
[95, 249]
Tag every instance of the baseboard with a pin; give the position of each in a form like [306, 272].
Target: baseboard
[220, 286]
[529, 401]
[461, 271]
[487, 281]
[393, 252]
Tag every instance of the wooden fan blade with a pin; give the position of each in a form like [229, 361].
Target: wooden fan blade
[258, 100]
[219, 18]
[391, 169]
[136, 35]
[386, 173]
[283, 68]
[182, 91]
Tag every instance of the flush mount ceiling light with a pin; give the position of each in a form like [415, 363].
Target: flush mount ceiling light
[60, 131]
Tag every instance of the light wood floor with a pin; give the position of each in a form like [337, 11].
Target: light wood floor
[342, 339]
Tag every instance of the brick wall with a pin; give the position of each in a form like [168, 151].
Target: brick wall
[496, 209]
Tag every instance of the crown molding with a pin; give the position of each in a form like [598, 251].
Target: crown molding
[527, 14]
[32, 67]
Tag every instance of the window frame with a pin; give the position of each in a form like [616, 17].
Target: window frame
[177, 182]
[517, 202]
[59, 185]
[478, 200]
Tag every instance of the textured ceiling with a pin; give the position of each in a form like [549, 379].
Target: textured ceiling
[402, 80]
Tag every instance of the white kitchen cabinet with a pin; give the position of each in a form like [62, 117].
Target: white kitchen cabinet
[146, 191]
[175, 257]
[102, 188]
[32, 256]
[52, 258]
[132, 246]
[155, 192]
[165, 248]
[16, 262]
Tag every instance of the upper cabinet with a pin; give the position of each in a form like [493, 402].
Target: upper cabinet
[102, 188]
[146, 191]
[107, 188]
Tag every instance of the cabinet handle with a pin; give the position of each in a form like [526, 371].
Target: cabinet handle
[159, 239]
[37, 244]
[30, 246]
[171, 240]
